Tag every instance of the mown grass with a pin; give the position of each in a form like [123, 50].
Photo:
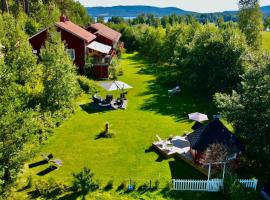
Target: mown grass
[266, 40]
[128, 155]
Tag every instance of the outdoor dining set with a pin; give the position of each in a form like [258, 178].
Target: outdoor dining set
[109, 102]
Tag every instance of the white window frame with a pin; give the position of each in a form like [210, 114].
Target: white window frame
[71, 53]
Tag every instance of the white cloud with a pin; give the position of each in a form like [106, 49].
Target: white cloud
[191, 5]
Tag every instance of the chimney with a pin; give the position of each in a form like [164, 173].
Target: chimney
[63, 18]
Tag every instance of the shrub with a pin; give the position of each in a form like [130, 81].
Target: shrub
[234, 190]
[83, 181]
[29, 182]
[109, 185]
[88, 86]
[50, 188]
[143, 187]
[156, 185]
[113, 68]
[122, 186]
[120, 71]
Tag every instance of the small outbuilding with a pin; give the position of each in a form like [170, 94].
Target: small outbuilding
[212, 133]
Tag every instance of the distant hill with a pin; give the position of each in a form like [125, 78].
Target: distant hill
[265, 9]
[134, 11]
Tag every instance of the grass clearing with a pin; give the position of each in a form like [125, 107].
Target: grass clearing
[128, 155]
[266, 40]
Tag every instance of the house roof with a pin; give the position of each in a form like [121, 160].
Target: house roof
[99, 47]
[213, 132]
[106, 32]
[76, 30]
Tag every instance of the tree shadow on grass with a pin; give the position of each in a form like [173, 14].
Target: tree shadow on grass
[47, 170]
[92, 108]
[39, 163]
[72, 196]
[182, 170]
[178, 106]
[160, 157]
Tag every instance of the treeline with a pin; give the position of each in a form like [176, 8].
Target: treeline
[224, 60]
[36, 94]
[197, 54]
[42, 13]
[173, 19]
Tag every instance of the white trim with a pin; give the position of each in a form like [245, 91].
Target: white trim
[71, 53]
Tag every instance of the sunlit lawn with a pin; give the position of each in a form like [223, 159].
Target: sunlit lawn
[266, 40]
[127, 155]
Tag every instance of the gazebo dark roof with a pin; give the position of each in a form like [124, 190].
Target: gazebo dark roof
[214, 132]
[196, 126]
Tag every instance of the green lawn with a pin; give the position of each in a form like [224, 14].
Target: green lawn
[128, 155]
[266, 40]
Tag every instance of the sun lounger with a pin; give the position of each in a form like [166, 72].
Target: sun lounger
[57, 162]
[174, 91]
[47, 157]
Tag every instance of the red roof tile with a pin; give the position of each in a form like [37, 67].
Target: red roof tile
[76, 30]
[106, 32]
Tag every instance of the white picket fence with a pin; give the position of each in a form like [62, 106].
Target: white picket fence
[212, 185]
[249, 183]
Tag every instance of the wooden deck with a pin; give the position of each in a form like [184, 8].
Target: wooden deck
[178, 147]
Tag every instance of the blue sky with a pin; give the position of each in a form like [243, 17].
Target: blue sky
[191, 5]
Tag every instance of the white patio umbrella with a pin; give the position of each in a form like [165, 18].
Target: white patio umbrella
[114, 85]
[199, 117]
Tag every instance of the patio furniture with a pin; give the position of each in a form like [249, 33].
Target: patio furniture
[123, 95]
[123, 105]
[57, 162]
[97, 99]
[199, 117]
[47, 157]
[109, 98]
[174, 91]
[114, 85]
[105, 105]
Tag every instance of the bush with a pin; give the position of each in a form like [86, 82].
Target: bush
[88, 86]
[83, 181]
[109, 185]
[120, 71]
[156, 185]
[143, 187]
[122, 186]
[113, 68]
[234, 190]
[50, 188]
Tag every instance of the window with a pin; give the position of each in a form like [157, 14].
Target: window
[71, 53]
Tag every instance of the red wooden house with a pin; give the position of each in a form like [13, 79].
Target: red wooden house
[80, 45]
[107, 36]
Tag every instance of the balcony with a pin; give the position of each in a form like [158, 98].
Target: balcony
[105, 61]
